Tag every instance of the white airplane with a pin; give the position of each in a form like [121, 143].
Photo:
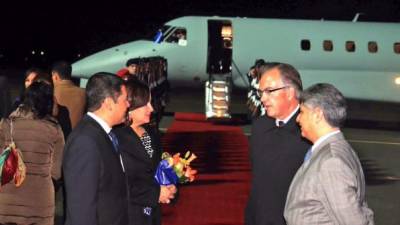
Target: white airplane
[362, 59]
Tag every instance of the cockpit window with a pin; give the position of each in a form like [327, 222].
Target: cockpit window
[178, 36]
[161, 33]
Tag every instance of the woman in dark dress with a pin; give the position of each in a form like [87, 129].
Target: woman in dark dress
[141, 152]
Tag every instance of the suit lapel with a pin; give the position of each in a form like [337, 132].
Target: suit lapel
[98, 127]
[292, 125]
[314, 157]
[333, 138]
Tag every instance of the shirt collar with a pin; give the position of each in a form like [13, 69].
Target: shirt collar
[323, 138]
[289, 117]
[100, 121]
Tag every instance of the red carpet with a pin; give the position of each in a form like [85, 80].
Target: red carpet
[219, 193]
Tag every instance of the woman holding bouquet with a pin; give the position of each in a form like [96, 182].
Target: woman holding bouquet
[140, 147]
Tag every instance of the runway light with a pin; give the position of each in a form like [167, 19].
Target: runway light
[397, 81]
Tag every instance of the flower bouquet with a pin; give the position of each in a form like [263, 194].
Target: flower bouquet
[174, 169]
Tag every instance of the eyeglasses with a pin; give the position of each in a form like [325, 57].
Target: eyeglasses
[269, 91]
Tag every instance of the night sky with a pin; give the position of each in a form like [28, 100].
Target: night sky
[63, 29]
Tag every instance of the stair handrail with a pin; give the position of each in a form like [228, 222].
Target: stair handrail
[245, 81]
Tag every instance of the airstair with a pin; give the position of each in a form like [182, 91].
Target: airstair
[218, 99]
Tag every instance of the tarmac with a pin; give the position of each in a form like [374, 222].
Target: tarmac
[373, 129]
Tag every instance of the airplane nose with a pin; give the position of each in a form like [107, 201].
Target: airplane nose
[99, 62]
[111, 60]
[81, 68]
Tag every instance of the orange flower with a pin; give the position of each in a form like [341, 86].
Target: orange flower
[189, 173]
[176, 158]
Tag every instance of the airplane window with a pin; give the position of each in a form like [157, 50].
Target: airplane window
[328, 45]
[372, 47]
[350, 46]
[178, 36]
[161, 33]
[305, 45]
[396, 47]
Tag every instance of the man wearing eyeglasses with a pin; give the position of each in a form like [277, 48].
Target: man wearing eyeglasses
[276, 147]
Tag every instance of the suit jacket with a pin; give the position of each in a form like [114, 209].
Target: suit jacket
[72, 97]
[275, 154]
[94, 180]
[143, 190]
[329, 188]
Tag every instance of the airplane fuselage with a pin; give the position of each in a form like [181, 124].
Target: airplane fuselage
[362, 59]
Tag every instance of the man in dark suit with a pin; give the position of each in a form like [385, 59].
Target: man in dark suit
[276, 146]
[93, 170]
[329, 188]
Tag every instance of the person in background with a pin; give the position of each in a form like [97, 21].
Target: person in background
[39, 137]
[253, 101]
[60, 112]
[276, 146]
[152, 71]
[329, 188]
[130, 70]
[67, 93]
[29, 77]
[140, 146]
[94, 177]
[132, 66]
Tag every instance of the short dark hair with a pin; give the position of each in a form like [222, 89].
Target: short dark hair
[289, 75]
[100, 86]
[138, 93]
[63, 68]
[329, 99]
[263, 67]
[39, 99]
[132, 61]
[259, 62]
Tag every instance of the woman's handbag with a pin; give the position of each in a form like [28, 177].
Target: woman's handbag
[12, 166]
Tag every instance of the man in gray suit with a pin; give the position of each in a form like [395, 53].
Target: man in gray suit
[329, 188]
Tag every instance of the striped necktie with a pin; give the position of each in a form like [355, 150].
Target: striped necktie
[114, 140]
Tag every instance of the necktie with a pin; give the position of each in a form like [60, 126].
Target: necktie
[114, 140]
[281, 123]
[308, 155]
